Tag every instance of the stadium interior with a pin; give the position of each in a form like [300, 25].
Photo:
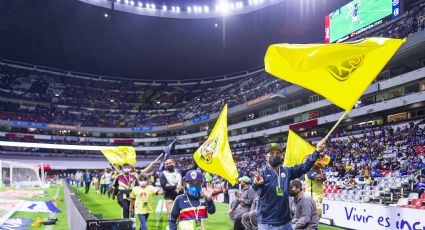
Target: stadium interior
[77, 77]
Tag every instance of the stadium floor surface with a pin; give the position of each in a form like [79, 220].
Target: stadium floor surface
[62, 223]
[109, 209]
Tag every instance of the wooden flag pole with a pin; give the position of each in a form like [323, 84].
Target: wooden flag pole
[336, 124]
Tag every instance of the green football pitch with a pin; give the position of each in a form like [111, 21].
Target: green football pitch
[109, 209]
[343, 23]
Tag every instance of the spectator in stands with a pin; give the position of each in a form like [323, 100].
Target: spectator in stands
[171, 183]
[314, 180]
[420, 186]
[243, 204]
[88, 176]
[273, 183]
[303, 209]
[123, 185]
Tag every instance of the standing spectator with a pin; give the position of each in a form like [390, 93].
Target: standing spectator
[142, 200]
[105, 181]
[171, 183]
[191, 209]
[273, 182]
[87, 177]
[123, 185]
[303, 209]
[243, 204]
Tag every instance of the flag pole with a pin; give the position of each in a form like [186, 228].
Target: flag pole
[336, 124]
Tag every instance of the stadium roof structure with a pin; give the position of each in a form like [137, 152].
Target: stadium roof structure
[82, 37]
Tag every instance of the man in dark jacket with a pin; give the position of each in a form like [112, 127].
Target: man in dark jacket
[273, 182]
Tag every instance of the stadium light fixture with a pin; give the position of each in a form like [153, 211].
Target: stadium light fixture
[189, 9]
[132, 3]
[178, 8]
[173, 8]
[224, 7]
[164, 7]
[153, 6]
[126, 2]
[140, 4]
[206, 9]
[119, 1]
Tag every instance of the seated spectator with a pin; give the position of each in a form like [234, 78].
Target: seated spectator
[243, 204]
[303, 209]
[420, 186]
[249, 219]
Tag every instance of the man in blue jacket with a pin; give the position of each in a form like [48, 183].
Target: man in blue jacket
[273, 184]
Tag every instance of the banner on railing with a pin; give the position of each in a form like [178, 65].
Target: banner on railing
[372, 216]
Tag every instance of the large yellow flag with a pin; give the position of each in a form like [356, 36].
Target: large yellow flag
[296, 149]
[120, 155]
[214, 154]
[339, 72]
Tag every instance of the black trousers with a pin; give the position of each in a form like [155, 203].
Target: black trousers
[103, 188]
[125, 205]
[87, 187]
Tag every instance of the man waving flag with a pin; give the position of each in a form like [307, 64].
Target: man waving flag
[214, 154]
[339, 72]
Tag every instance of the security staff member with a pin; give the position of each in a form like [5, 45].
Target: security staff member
[273, 183]
[123, 185]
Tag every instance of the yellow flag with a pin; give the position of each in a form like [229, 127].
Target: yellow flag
[120, 155]
[296, 149]
[214, 154]
[339, 72]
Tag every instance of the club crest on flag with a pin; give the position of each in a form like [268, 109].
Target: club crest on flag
[208, 149]
[343, 71]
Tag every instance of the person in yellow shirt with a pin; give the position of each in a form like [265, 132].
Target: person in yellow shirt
[314, 181]
[142, 200]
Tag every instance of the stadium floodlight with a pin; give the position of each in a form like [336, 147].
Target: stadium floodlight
[224, 7]
[140, 4]
[250, 2]
[126, 2]
[119, 1]
[164, 7]
[132, 3]
[153, 6]
[173, 8]
[206, 9]
[189, 9]
[178, 8]
[232, 6]
[148, 5]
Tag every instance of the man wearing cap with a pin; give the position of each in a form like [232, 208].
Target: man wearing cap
[190, 210]
[303, 209]
[273, 183]
[243, 204]
[122, 186]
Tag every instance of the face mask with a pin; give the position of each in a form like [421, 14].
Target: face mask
[126, 170]
[143, 183]
[292, 193]
[275, 161]
[169, 168]
[193, 190]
